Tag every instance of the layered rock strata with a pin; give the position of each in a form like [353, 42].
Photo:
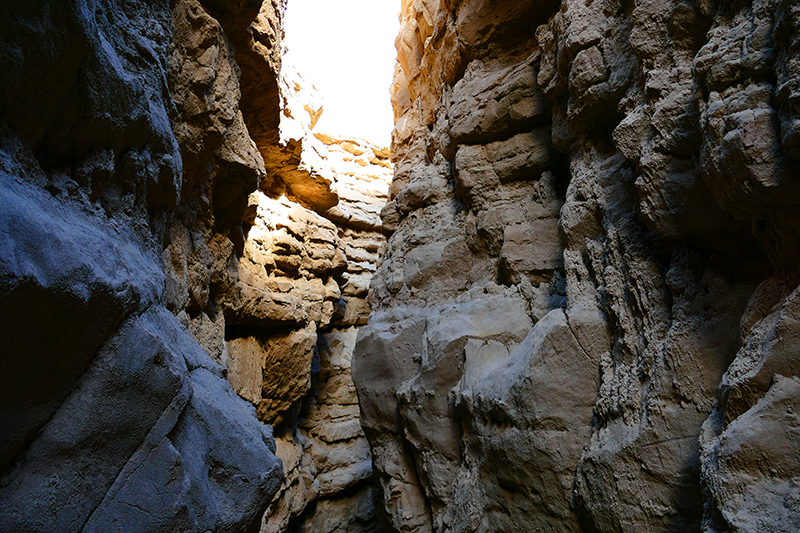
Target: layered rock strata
[293, 315]
[583, 319]
[283, 287]
[284, 294]
[168, 241]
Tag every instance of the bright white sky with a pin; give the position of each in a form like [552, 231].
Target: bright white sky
[345, 48]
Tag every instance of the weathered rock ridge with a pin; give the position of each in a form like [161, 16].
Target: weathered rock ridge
[584, 317]
[184, 266]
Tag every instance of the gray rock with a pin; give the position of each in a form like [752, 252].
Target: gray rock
[151, 439]
[626, 173]
[69, 280]
[116, 418]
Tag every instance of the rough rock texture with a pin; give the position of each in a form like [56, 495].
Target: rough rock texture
[297, 304]
[151, 267]
[120, 123]
[584, 318]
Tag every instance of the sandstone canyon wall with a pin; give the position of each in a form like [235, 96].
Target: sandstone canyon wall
[584, 319]
[296, 368]
[184, 267]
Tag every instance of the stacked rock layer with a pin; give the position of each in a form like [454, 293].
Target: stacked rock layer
[584, 317]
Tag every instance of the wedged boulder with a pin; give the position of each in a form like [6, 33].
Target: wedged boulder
[273, 373]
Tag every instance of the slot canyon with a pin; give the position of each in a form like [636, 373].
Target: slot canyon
[562, 300]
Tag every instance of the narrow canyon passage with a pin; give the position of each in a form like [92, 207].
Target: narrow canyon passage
[553, 292]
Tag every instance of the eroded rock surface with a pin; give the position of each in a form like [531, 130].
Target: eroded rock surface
[120, 125]
[275, 285]
[293, 315]
[168, 296]
[583, 318]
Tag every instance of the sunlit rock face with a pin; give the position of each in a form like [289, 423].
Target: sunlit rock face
[168, 297]
[292, 314]
[583, 319]
[275, 293]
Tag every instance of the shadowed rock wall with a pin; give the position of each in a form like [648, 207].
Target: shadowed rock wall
[583, 320]
[173, 235]
[121, 135]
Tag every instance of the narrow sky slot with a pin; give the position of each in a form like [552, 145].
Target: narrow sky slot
[346, 50]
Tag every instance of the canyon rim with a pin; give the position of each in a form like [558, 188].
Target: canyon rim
[562, 301]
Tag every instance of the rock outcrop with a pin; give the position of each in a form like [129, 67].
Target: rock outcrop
[184, 266]
[583, 319]
[120, 125]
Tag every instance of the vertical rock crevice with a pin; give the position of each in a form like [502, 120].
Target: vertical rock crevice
[285, 268]
[582, 320]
